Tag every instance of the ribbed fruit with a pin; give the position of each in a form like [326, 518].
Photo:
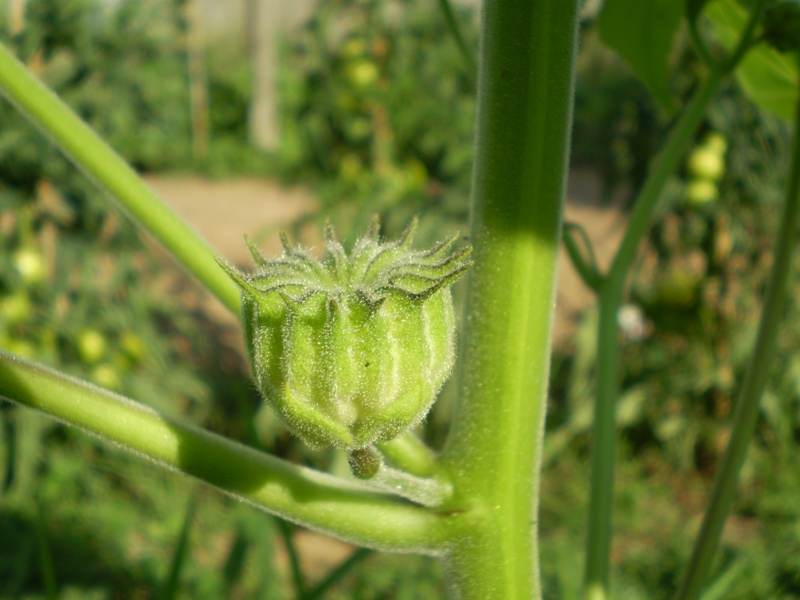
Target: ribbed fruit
[353, 348]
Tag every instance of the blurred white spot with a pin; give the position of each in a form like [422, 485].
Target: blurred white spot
[631, 321]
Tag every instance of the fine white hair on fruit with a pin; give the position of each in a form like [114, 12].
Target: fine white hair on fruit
[353, 348]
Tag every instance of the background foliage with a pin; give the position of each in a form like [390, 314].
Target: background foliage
[80, 290]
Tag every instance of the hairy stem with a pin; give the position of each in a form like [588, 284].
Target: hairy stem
[410, 454]
[310, 498]
[494, 449]
[426, 491]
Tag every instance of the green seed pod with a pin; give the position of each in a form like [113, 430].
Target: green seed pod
[352, 349]
[364, 463]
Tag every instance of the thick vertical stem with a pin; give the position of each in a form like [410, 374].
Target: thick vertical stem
[524, 115]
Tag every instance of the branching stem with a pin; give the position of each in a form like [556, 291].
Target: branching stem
[598, 545]
[758, 371]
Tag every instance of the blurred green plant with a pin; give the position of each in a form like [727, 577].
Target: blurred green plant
[378, 108]
[123, 70]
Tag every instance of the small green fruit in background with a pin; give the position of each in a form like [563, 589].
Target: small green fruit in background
[132, 347]
[105, 375]
[705, 167]
[716, 142]
[352, 349]
[91, 346]
[354, 48]
[362, 73]
[30, 264]
[15, 308]
[706, 163]
[700, 192]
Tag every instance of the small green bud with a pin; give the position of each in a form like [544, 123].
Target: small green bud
[352, 349]
[30, 264]
[92, 346]
[705, 163]
[364, 463]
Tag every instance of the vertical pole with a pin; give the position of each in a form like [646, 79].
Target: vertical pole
[263, 117]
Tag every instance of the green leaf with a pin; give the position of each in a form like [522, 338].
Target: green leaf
[767, 76]
[694, 8]
[171, 586]
[642, 33]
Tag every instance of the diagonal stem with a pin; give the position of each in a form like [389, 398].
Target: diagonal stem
[110, 171]
[337, 573]
[601, 491]
[311, 498]
[287, 533]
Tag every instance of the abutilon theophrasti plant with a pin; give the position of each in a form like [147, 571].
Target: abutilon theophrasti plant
[353, 348]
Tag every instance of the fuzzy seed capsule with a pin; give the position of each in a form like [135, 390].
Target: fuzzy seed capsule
[352, 349]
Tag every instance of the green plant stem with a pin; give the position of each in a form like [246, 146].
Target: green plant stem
[598, 545]
[46, 568]
[110, 171]
[699, 42]
[586, 267]
[334, 576]
[611, 294]
[466, 52]
[493, 452]
[427, 491]
[172, 583]
[311, 498]
[758, 371]
[410, 454]
[287, 531]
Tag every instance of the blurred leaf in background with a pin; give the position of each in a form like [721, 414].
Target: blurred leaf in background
[643, 33]
[768, 77]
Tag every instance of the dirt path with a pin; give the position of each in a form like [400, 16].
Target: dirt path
[223, 211]
[605, 225]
